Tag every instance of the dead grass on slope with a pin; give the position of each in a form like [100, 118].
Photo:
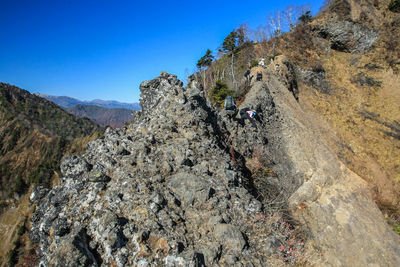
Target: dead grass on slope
[366, 119]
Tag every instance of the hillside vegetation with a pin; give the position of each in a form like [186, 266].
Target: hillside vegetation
[34, 135]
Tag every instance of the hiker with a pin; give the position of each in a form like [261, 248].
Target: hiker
[259, 76]
[261, 63]
[230, 106]
[247, 113]
[247, 75]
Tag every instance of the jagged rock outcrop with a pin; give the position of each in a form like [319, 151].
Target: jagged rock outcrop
[348, 36]
[350, 25]
[173, 197]
[174, 188]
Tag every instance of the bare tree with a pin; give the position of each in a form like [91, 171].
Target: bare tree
[274, 21]
[325, 5]
[291, 15]
[246, 33]
[261, 34]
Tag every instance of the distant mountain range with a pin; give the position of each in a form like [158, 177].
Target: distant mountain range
[67, 102]
[114, 117]
[104, 112]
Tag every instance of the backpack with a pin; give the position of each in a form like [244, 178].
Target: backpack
[229, 103]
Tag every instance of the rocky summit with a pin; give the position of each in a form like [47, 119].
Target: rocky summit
[184, 185]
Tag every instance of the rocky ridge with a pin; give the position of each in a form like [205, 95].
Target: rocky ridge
[162, 191]
[176, 187]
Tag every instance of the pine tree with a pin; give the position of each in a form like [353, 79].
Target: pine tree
[229, 43]
[394, 6]
[203, 63]
[205, 60]
[306, 17]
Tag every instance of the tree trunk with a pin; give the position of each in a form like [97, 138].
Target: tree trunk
[204, 79]
[233, 73]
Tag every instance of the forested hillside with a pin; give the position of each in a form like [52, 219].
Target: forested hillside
[34, 135]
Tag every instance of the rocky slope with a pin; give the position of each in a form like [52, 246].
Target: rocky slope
[345, 75]
[114, 117]
[332, 201]
[183, 185]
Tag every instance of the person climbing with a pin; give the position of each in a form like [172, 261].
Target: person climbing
[259, 76]
[249, 114]
[230, 106]
[247, 75]
[261, 63]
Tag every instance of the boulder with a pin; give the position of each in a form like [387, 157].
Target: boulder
[189, 187]
[348, 36]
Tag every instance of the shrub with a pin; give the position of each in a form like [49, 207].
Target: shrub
[394, 6]
[19, 185]
[12, 257]
[396, 228]
[21, 229]
[318, 68]
[306, 17]
[219, 92]
[254, 63]
[273, 56]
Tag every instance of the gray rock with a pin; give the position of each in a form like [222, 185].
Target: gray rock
[98, 177]
[189, 187]
[348, 36]
[73, 166]
[230, 236]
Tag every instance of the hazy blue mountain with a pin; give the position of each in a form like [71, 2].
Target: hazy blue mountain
[66, 102]
[114, 117]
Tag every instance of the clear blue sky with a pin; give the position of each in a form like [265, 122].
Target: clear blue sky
[105, 49]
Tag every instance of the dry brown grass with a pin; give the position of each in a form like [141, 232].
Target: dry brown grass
[368, 146]
[10, 220]
[16, 212]
[369, 151]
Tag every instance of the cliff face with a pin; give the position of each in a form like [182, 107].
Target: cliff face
[352, 83]
[184, 185]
